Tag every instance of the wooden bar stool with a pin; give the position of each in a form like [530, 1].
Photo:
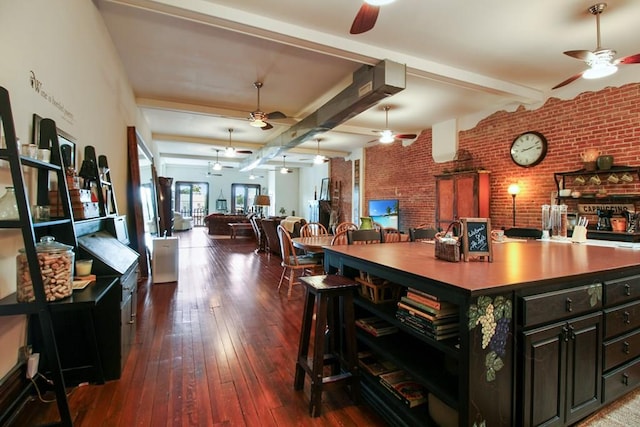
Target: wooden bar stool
[330, 290]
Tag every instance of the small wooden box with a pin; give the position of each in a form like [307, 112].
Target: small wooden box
[378, 290]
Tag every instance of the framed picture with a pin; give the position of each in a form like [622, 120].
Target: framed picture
[66, 142]
[324, 189]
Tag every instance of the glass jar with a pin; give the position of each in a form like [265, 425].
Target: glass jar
[559, 221]
[8, 205]
[56, 262]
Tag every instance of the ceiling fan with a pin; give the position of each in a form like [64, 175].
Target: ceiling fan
[600, 60]
[258, 118]
[319, 158]
[213, 169]
[387, 136]
[367, 16]
[230, 151]
[284, 168]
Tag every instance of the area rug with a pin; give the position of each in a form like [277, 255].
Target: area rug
[624, 412]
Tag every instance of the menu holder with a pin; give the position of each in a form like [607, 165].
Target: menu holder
[476, 238]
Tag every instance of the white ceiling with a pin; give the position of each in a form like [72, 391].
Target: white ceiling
[192, 63]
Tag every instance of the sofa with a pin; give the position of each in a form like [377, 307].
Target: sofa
[181, 223]
[219, 223]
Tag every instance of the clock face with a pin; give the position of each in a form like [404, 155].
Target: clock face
[528, 149]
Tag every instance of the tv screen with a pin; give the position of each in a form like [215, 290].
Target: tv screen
[384, 212]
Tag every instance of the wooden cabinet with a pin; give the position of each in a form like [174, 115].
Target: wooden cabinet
[462, 195]
[561, 371]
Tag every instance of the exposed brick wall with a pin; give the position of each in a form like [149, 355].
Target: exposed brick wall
[341, 172]
[608, 120]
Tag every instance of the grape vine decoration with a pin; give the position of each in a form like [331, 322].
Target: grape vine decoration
[494, 316]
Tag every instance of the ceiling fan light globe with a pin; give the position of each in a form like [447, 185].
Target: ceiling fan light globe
[600, 70]
[217, 166]
[230, 152]
[284, 170]
[378, 2]
[258, 123]
[318, 159]
[386, 137]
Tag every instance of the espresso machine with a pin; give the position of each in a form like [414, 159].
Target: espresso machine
[604, 220]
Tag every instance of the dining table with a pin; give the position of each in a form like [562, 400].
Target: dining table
[312, 243]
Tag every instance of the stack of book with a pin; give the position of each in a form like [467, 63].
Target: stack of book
[428, 315]
[376, 326]
[404, 387]
[375, 365]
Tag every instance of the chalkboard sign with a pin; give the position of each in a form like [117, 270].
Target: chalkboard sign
[476, 238]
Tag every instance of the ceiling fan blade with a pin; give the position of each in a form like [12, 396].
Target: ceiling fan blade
[276, 115]
[569, 80]
[365, 19]
[631, 59]
[406, 136]
[582, 55]
[267, 127]
[244, 152]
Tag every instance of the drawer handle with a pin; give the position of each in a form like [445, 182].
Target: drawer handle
[627, 289]
[625, 379]
[626, 317]
[569, 308]
[625, 347]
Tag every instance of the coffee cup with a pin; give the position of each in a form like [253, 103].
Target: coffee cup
[579, 180]
[626, 177]
[613, 178]
[497, 235]
[595, 180]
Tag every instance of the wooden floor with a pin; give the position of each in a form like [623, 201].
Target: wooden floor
[217, 348]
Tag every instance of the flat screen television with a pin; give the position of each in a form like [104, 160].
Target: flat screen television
[384, 212]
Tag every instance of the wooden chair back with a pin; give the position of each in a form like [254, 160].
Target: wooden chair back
[364, 237]
[311, 229]
[418, 234]
[340, 239]
[289, 257]
[391, 235]
[344, 226]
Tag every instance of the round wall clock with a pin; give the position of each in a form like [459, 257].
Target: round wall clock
[528, 149]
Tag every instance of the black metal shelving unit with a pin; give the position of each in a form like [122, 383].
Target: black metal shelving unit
[61, 227]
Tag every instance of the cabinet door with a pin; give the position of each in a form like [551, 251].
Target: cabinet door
[584, 367]
[444, 202]
[544, 376]
[466, 201]
[562, 370]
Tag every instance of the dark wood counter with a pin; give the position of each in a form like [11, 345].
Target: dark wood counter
[553, 302]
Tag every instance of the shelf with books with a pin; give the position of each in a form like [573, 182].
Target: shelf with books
[388, 312]
[400, 415]
[405, 388]
[420, 360]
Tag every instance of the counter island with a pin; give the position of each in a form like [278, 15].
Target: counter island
[548, 332]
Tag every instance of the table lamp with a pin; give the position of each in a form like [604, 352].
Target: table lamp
[262, 200]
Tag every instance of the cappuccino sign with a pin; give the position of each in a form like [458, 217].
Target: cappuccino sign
[617, 208]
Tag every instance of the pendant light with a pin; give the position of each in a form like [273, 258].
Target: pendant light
[284, 169]
[230, 151]
[217, 166]
[386, 136]
[318, 159]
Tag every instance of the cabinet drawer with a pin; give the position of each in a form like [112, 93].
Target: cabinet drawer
[621, 319]
[622, 290]
[621, 350]
[620, 381]
[560, 304]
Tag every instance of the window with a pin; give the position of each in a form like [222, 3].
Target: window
[192, 198]
[242, 196]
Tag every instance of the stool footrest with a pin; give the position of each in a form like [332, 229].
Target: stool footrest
[337, 378]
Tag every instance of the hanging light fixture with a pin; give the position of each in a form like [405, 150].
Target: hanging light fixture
[230, 151]
[318, 159]
[217, 166]
[284, 169]
[386, 136]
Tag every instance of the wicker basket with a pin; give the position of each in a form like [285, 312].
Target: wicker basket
[378, 290]
[445, 249]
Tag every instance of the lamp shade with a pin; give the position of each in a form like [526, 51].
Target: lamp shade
[262, 200]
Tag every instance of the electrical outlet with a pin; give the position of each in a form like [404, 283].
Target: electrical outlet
[32, 365]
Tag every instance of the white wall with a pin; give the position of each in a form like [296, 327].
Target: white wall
[82, 87]
[310, 183]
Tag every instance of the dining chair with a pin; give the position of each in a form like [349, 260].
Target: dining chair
[311, 229]
[364, 237]
[391, 235]
[344, 226]
[340, 239]
[291, 262]
[421, 234]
